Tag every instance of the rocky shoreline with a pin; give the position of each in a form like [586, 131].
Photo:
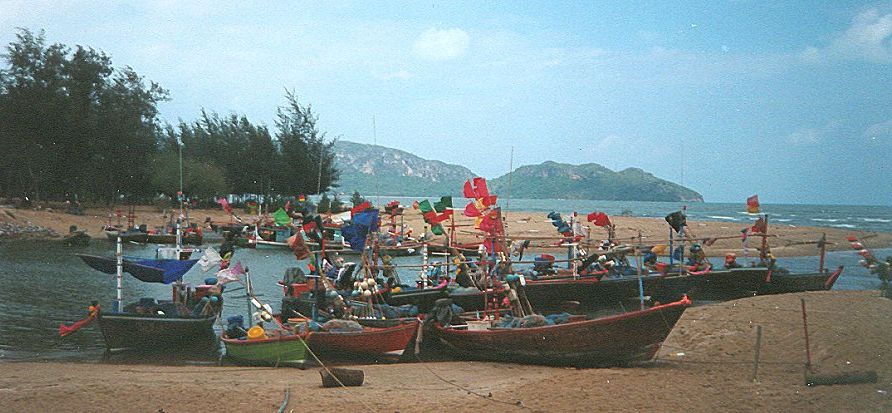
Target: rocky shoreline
[10, 230]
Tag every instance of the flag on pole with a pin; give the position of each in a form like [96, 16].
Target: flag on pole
[225, 204]
[230, 274]
[677, 220]
[599, 218]
[752, 204]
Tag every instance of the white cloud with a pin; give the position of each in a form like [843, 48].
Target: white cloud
[879, 131]
[868, 38]
[810, 136]
[804, 136]
[439, 45]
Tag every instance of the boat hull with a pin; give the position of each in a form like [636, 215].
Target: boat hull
[370, 341]
[123, 331]
[615, 340]
[270, 351]
[794, 283]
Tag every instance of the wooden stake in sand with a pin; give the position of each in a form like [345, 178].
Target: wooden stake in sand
[757, 352]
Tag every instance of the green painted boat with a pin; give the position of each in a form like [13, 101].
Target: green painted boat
[268, 351]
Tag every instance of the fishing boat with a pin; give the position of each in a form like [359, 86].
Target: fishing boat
[370, 342]
[607, 341]
[275, 350]
[76, 237]
[183, 324]
[129, 235]
[786, 282]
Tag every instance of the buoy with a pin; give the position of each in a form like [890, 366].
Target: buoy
[366, 293]
[256, 333]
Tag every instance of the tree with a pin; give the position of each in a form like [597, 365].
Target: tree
[356, 199]
[70, 122]
[307, 160]
[324, 204]
[336, 205]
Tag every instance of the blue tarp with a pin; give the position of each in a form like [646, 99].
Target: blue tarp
[146, 270]
[359, 227]
[173, 269]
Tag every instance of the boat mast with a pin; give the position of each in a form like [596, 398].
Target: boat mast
[119, 276]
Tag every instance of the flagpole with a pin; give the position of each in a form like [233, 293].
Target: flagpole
[119, 277]
[510, 172]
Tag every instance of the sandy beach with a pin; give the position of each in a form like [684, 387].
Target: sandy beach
[705, 365]
[785, 240]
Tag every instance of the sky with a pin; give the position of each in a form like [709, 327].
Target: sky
[789, 100]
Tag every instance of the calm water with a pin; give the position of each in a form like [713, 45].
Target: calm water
[44, 284]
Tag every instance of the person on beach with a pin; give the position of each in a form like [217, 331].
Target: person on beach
[731, 261]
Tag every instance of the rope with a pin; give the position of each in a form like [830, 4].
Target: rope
[518, 404]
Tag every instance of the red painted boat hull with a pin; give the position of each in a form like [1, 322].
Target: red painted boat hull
[370, 341]
[615, 340]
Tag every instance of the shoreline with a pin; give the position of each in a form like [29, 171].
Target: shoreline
[785, 240]
[705, 365]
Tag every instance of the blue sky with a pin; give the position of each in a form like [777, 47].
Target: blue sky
[792, 101]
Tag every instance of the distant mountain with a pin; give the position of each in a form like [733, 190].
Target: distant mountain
[589, 181]
[395, 172]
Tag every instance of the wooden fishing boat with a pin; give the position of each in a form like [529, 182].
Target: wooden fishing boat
[371, 341]
[422, 298]
[278, 349]
[614, 340]
[130, 235]
[76, 239]
[184, 324]
[468, 250]
[785, 282]
[156, 332]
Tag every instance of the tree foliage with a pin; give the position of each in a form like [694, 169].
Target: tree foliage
[72, 123]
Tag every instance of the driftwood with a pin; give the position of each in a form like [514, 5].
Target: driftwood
[346, 377]
[840, 378]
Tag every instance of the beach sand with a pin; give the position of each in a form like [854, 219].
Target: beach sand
[705, 365]
[785, 240]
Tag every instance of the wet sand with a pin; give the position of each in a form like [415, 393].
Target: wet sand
[705, 365]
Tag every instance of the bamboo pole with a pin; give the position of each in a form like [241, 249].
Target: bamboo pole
[119, 276]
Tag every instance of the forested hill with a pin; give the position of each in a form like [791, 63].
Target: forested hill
[590, 181]
[395, 172]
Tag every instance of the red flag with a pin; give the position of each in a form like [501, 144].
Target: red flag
[489, 200]
[472, 211]
[752, 204]
[225, 204]
[288, 205]
[359, 208]
[480, 190]
[301, 198]
[430, 216]
[77, 325]
[300, 250]
[468, 191]
[599, 218]
[439, 218]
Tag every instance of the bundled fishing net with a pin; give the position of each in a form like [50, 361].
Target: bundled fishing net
[533, 320]
[341, 326]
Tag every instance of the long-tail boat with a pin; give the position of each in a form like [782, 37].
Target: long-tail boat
[614, 340]
[183, 324]
[786, 282]
[276, 350]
